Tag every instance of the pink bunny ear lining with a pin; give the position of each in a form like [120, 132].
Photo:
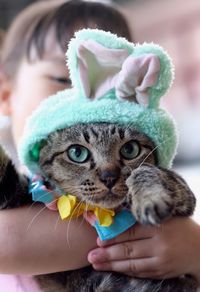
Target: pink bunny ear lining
[98, 67]
[138, 74]
[102, 69]
[151, 64]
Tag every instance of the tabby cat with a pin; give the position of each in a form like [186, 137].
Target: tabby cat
[110, 166]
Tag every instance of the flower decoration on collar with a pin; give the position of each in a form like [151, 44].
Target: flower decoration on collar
[107, 223]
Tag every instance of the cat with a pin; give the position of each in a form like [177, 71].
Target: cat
[110, 166]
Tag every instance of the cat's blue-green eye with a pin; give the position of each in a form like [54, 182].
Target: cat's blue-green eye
[78, 153]
[130, 150]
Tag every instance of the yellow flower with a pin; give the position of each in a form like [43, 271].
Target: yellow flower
[70, 207]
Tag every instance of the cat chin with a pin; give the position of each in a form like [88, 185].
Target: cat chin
[106, 199]
[108, 202]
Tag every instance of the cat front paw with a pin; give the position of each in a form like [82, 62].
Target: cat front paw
[150, 201]
[153, 210]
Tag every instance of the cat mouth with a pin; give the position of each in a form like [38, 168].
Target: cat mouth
[108, 199]
[110, 193]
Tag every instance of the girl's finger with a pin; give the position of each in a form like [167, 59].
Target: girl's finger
[136, 267]
[122, 251]
[136, 232]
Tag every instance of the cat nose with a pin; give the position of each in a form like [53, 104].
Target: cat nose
[109, 177]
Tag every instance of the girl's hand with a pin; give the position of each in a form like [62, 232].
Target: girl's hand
[164, 251]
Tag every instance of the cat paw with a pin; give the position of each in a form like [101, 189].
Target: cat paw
[150, 201]
[153, 210]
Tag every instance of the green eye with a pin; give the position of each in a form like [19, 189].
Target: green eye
[130, 150]
[78, 153]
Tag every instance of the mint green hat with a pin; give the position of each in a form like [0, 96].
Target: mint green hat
[113, 81]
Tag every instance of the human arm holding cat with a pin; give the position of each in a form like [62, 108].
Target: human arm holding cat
[168, 250]
[176, 252]
[34, 242]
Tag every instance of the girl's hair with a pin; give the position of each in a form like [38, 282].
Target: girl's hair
[32, 25]
[2, 36]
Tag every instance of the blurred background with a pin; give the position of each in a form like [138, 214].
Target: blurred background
[175, 25]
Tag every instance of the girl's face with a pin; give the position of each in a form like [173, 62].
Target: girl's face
[34, 82]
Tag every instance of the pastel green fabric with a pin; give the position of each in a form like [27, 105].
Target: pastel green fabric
[73, 106]
[111, 41]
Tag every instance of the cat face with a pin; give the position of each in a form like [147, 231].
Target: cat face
[93, 162]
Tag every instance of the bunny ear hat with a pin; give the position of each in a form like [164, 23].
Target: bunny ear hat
[113, 81]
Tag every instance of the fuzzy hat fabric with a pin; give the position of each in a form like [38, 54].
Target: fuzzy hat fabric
[113, 81]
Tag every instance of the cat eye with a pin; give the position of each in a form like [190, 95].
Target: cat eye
[130, 150]
[78, 153]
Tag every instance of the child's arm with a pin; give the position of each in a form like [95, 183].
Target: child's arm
[33, 242]
[166, 251]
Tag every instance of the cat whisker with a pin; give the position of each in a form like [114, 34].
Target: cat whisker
[57, 220]
[154, 149]
[143, 161]
[79, 207]
[34, 218]
[37, 213]
[36, 202]
[70, 189]
[68, 225]
[86, 209]
[39, 198]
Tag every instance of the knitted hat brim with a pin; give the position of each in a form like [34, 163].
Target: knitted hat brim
[65, 110]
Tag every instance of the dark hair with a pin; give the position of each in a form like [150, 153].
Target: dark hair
[2, 36]
[32, 25]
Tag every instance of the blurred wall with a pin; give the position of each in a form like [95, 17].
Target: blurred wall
[175, 25]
